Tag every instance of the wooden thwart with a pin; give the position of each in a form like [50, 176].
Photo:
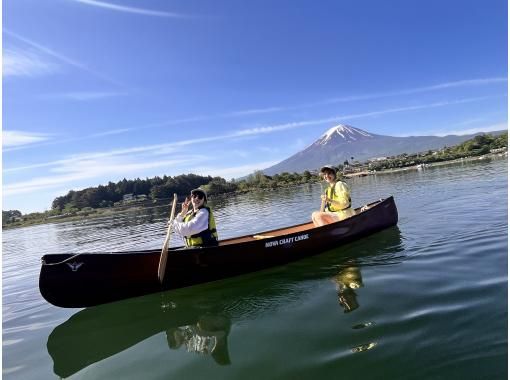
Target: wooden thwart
[262, 236]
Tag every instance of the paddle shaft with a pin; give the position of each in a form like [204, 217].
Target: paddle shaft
[323, 201]
[164, 251]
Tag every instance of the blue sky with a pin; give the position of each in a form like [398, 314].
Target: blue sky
[95, 91]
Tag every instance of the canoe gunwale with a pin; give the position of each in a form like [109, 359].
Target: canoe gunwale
[274, 233]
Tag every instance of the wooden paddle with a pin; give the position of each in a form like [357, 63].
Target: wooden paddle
[166, 244]
[323, 201]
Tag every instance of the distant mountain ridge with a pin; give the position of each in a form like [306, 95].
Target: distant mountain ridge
[342, 142]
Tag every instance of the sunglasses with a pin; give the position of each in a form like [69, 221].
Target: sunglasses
[197, 195]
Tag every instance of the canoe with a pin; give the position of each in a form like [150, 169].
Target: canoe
[89, 279]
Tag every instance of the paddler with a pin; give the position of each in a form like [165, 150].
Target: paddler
[336, 198]
[196, 226]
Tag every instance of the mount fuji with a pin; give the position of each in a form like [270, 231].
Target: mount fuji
[342, 142]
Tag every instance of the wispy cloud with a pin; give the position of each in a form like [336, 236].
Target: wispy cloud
[416, 90]
[111, 132]
[18, 138]
[253, 111]
[127, 154]
[339, 118]
[76, 170]
[84, 95]
[371, 96]
[17, 62]
[59, 57]
[71, 139]
[417, 107]
[468, 131]
[463, 123]
[124, 9]
[241, 133]
[233, 171]
[270, 129]
[249, 112]
[461, 83]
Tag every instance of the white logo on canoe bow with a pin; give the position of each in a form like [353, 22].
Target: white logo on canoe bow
[74, 266]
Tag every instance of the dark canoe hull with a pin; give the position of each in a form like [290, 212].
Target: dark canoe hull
[83, 280]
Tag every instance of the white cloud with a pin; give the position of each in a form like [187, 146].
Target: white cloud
[46, 188]
[416, 90]
[260, 130]
[376, 95]
[233, 172]
[334, 119]
[18, 138]
[84, 95]
[59, 57]
[469, 131]
[26, 63]
[280, 127]
[77, 170]
[128, 153]
[121, 8]
[460, 83]
[469, 122]
[171, 147]
[111, 132]
[254, 111]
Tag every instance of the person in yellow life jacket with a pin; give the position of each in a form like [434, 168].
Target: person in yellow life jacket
[196, 225]
[337, 199]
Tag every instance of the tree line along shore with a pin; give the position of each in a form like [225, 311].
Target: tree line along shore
[113, 197]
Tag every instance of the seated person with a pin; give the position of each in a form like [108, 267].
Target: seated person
[336, 199]
[196, 226]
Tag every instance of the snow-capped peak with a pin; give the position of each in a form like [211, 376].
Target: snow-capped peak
[346, 132]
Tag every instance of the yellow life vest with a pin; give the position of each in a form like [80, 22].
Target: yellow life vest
[344, 198]
[206, 238]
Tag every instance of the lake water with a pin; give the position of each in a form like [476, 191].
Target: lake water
[424, 300]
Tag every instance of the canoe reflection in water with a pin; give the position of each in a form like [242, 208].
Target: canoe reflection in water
[208, 336]
[97, 333]
[347, 281]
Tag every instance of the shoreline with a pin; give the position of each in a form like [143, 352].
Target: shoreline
[488, 156]
[103, 212]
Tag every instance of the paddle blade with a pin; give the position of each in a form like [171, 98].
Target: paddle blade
[163, 259]
[164, 251]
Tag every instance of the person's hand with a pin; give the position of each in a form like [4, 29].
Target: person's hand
[185, 206]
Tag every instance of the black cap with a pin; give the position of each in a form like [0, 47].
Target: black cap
[200, 191]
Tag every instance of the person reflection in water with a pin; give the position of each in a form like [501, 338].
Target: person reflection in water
[346, 282]
[208, 337]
